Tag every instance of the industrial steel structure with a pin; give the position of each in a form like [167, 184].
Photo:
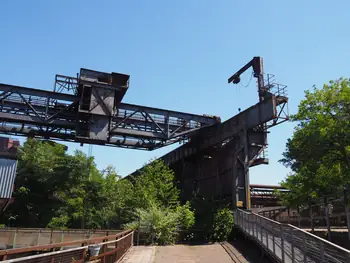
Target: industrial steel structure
[215, 157]
[264, 195]
[8, 168]
[88, 109]
[215, 163]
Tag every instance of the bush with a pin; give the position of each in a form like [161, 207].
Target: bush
[162, 225]
[223, 223]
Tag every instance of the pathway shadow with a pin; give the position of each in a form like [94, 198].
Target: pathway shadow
[249, 249]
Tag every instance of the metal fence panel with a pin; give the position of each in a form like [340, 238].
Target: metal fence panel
[287, 243]
[7, 177]
[110, 251]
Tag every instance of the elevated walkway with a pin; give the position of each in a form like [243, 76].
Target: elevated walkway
[287, 243]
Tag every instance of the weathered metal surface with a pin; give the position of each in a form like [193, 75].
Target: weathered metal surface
[7, 177]
[25, 237]
[286, 243]
[122, 240]
[212, 136]
[93, 113]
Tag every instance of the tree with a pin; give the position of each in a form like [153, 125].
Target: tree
[43, 170]
[223, 224]
[318, 153]
[158, 212]
[58, 190]
[156, 183]
[320, 143]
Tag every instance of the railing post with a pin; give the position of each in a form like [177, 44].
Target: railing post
[38, 238]
[250, 224]
[322, 252]
[243, 222]
[261, 230]
[292, 244]
[132, 239]
[273, 243]
[62, 236]
[14, 239]
[116, 246]
[282, 243]
[254, 224]
[267, 238]
[51, 236]
[304, 248]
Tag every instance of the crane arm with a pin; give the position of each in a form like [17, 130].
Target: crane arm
[256, 63]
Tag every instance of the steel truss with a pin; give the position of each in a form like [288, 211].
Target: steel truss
[55, 115]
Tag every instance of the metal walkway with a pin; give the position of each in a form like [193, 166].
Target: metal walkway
[289, 244]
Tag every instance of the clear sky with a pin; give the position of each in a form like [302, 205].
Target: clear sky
[179, 55]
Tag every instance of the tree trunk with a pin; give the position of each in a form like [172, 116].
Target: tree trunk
[298, 209]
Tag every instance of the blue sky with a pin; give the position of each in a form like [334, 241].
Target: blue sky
[179, 55]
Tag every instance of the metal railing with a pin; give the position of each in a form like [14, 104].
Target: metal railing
[112, 248]
[24, 237]
[287, 243]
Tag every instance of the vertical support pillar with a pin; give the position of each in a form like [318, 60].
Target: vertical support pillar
[182, 180]
[244, 138]
[234, 179]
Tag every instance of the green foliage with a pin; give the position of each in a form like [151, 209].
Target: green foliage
[162, 224]
[223, 223]
[159, 214]
[155, 184]
[318, 152]
[186, 216]
[58, 190]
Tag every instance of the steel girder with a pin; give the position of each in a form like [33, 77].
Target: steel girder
[46, 114]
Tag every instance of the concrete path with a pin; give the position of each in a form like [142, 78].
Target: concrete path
[213, 253]
[140, 254]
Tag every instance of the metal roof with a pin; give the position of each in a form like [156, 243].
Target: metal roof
[7, 177]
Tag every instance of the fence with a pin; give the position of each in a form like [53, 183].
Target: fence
[287, 243]
[113, 248]
[303, 219]
[24, 237]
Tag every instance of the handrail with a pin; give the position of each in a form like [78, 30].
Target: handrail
[287, 243]
[61, 244]
[67, 251]
[320, 239]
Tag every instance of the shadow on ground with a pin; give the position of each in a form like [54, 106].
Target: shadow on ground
[249, 249]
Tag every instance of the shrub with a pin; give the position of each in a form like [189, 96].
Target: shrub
[162, 225]
[223, 223]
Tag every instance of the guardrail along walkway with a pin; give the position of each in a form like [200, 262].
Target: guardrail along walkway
[287, 243]
[112, 249]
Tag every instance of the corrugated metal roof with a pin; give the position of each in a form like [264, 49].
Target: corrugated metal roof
[7, 177]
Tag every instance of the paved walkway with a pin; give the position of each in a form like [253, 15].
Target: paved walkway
[139, 254]
[214, 253]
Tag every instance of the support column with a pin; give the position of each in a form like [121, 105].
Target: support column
[234, 182]
[244, 139]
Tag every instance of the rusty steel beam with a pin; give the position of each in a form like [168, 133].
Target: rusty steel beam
[56, 115]
[205, 138]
